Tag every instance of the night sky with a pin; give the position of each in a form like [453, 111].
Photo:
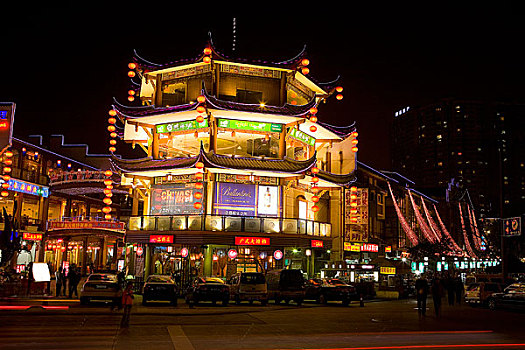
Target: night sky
[64, 65]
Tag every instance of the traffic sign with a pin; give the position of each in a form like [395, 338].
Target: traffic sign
[512, 227]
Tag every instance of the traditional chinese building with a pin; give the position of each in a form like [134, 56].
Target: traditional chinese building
[239, 171]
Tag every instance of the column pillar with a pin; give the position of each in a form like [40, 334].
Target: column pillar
[84, 255]
[155, 143]
[208, 261]
[147, 262]
[135, 203]
[282, 143]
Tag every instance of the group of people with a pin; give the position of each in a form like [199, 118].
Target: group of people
[439, 284]
[67, 281]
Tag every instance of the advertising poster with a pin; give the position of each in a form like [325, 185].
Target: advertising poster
[235, 199]
[358, 231]
[174, 199]
[268, 201]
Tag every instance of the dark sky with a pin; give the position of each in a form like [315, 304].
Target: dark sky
[63, 65]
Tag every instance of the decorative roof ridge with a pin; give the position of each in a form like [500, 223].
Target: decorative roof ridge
[140, 111]
[287, 108]
[342, 179]
[345, 132]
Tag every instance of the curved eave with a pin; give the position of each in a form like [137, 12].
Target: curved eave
[146, 111]
[148, 163]
[339, 179]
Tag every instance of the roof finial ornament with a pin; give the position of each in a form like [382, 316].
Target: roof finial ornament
[234, 33]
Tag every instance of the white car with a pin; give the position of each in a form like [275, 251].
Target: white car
[101, 287]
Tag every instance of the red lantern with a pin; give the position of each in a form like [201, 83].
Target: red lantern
[305, 62]
[315, 199]
[112, 112]
[131, 92]
[112, 149]
[199, 165]
[132, 65]
[355, 141]
[4, 193]
[109, 187]
[107, 217]
[112, 120]
[113, 142]
[313, 128]
[305, 71]
[131, 74]
[207, 59]
[107, 201]
[7, 169]
[315, 208]
[8, 154]
[315, 170]
[314, 189]
[200, 119]
[108, 173]
[8, 161]
[197, 205]
[113, 134]
[5, 185]
[111, 128]
[339, 96]
[313, 119]
[354, 134]
[313, 110]
[339, 89]
[106, 210]
[354, 149]
[201, 109]
[199, 185]
[353, 197]
[131, 98]
[207, 51]
[315, 180]
[199, 176]
[6, 178]
[198, 195]
[201, 99]
[353, 189]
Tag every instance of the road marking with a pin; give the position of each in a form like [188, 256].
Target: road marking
[179, 339]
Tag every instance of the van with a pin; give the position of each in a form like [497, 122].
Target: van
[250, 286]
[286, 285]
[478, 293]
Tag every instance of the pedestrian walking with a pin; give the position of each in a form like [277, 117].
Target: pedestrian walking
[74, 279]
[127, 303]
[59, 281]
[451, 288]
[437, 295]
[421, 294]
[459, 289]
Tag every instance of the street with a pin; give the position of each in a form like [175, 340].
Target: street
[378, 325]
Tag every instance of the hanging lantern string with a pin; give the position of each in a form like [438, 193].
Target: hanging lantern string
[424, 227]
[404, 224]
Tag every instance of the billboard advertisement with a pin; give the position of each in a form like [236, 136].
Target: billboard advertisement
[356, 231]
[174, 199]
[246, 199]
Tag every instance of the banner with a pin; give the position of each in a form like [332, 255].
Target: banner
[357, 231]
[235, 199]
[105, 225]
[174, 199]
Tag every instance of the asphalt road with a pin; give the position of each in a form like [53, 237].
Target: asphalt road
[377, 325]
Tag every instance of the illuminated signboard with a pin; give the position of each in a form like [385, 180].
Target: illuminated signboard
[350, 247]
[246, 199]
[315, 243]
[252, 241]
[512, 226]
[374, 248]
[7, 116]
[232, 253]
[161, 238]
[174, 199]
[387, 270]
[105, 225]
[249, 125]
[29, 236]
[28, 188]
[301, 136]
[186, 125]
[388, 249]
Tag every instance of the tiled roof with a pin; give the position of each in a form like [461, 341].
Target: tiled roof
[344, 179]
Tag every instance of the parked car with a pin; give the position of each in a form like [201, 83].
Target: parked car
[159, 288]
[101, 287]
[330, 289]
[207, 289]
[478, 293]
[286, 285]
[250, 286]
[512, 297]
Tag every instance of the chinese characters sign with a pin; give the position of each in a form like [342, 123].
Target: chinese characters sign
[316, 243]
[512, 226]
[252, 241]
[32, 236]
[7, 115]
[301, 136]
[26, 187]
[387, 270]
[181, 126]
[374, 248]
[246, 199]
[249, 125]
[161, 238]
[106, 225]
[356, 231]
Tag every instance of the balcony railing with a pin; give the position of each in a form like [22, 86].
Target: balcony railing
[229, 224]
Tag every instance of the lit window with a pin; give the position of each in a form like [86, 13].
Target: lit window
[439, 137]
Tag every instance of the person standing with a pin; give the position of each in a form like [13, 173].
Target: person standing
[74, 278]
[458, 283]
[59, 280]
[127, 303]
[451, 288]
[437, 295]
[422, 294]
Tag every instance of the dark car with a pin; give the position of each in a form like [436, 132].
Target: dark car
[286, 285]
[207, 289]
[513, 297]
[101, 287]
[159, 288]
[330, 289]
